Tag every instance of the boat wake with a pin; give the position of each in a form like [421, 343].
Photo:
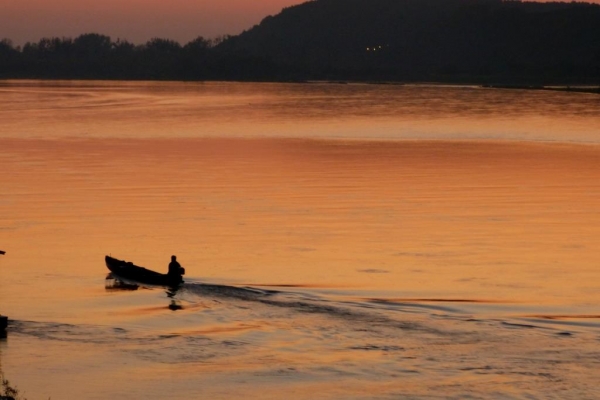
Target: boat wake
[316, 336]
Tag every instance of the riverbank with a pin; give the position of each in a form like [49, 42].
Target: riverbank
[575, 89]
[593, 89]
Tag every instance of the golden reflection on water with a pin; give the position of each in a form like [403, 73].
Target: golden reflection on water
[456, 220]
[141, 110]
[405, 266]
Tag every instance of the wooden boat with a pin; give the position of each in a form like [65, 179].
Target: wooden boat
[131, 273]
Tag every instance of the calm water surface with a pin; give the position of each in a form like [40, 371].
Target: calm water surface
[340, 241]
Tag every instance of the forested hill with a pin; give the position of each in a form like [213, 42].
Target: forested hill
[472, 40]
[463, 41]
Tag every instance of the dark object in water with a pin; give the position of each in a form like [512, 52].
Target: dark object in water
[113, 284]
[2, 252]
[3, 323]
[131, 273]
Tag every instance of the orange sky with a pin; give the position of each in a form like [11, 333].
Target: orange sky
[134, 20]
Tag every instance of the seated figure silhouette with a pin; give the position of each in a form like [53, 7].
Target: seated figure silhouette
[175, 269]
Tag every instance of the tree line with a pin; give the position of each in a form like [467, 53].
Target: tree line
[465, 41]
[97, 56]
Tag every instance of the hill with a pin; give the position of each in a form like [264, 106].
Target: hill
[439, 40]
[458, 41]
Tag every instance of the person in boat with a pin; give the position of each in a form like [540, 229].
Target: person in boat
[175, 269]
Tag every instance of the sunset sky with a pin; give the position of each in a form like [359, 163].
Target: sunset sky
[133, 20]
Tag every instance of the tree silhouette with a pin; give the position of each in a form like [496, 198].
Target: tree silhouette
[475, 41]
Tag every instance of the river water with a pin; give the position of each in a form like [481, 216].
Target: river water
[340, 241]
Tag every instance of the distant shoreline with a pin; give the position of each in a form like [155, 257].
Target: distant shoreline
[549, 46]
[575, 89]
[590, 89]
[556, 88]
